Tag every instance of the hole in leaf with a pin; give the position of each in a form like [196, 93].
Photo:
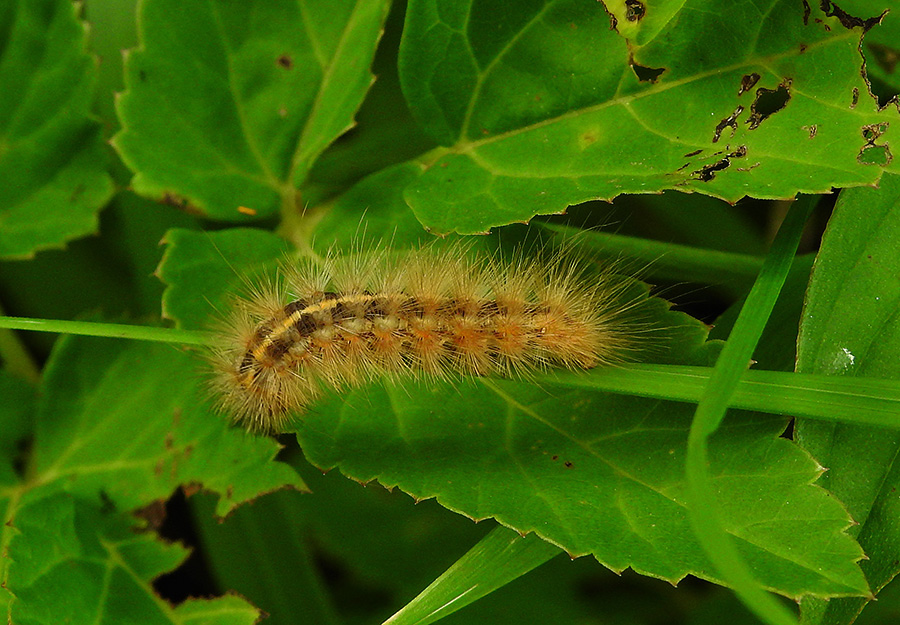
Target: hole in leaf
[728, 122]
[886, 58]
[708, 172]
[646, 74]
[768, 102]
[872, 153]
[854, 99]
[849, 21]
[875, 155]
[871, 132]
[634, 10]
[747, 83]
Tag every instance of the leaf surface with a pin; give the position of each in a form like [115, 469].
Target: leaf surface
[52, 158]
[851, 327]
[547, 107]
[119, 426]
[228, 104]
[78, 563]
[129, 419]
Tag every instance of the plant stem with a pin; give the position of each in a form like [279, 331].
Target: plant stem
[112, 330]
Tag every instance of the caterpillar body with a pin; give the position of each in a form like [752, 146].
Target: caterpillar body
[431, 312]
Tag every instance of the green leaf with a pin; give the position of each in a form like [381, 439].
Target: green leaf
[209, 261]
[128, 419]
[589, 471]
[372, 212]
[261, 552]
[74, 562]
[51, 152]
[228, 104]
[16, 414]
[593, 473]
[544, 107]
[385, 133]
[120, 425]
[420, 538]
[850, 327]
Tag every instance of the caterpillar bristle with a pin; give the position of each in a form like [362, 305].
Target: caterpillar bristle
[431, 312]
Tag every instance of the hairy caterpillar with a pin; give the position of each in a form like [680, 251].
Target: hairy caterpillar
[427, 312]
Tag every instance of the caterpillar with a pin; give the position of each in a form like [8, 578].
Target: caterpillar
[430, 312]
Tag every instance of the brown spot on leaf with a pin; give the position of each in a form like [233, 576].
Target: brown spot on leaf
[191, 489]
[285, 61]
[694, 153]
[587, 139]
[77, 192]
[812, 129]
[180, 202]
[768, 102]
[154, 514]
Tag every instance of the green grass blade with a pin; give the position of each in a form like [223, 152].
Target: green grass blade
[112, 330]
[703, 509]
[497, 559]
[665, 261]
[828, 398]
